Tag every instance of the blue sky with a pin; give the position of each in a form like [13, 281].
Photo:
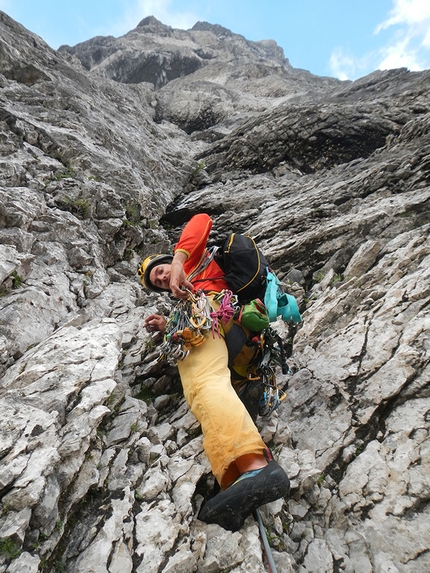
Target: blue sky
[342, 38]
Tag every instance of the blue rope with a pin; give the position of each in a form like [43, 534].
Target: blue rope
[267, 550]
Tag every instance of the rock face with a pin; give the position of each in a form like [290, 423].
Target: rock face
[211, 78]
[106, 149]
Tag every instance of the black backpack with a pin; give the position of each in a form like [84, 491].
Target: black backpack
[244, 265]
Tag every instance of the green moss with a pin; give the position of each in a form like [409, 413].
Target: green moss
[133, 212]
[82, 206]
[16, 280]
[135, 427]
[200, 167]
[9, 549]
[128, 223]
[128, 254]
[145, 395]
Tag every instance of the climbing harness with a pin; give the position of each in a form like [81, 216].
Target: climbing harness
[266, 546]
[194, 319]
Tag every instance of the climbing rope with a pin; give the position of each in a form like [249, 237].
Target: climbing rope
[266, 546]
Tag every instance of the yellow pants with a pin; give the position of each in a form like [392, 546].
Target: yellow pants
[228, 430]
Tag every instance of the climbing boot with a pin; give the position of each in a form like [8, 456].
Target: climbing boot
[231, 507]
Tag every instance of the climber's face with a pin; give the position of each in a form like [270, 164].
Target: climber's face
[160, 276]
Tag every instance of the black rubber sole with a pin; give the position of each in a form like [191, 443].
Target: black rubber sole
[231, 507]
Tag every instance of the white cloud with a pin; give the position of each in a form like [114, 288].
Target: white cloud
[414, 13]
[406, 43]
[341, 65]
[347, 67]
[410, 46]
[401, 55]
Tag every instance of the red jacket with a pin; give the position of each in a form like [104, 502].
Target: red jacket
[193, 242]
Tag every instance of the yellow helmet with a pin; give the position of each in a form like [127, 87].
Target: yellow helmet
[146, 267]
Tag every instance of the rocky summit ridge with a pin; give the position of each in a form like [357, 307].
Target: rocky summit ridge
[106, 149]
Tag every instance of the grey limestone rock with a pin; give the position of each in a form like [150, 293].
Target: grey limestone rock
[106, 149]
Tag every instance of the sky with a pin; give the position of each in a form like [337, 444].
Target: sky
[346, 39]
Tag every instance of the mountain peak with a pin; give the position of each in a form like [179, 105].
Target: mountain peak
[215, 28]
[150, 21]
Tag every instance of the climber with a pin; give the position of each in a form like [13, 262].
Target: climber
[240, 460]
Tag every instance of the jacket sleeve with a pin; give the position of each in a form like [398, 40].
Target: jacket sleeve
[194, 237]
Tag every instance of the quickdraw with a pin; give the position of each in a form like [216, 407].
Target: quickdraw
[193, 319]
[270, 350]
[189, 325]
